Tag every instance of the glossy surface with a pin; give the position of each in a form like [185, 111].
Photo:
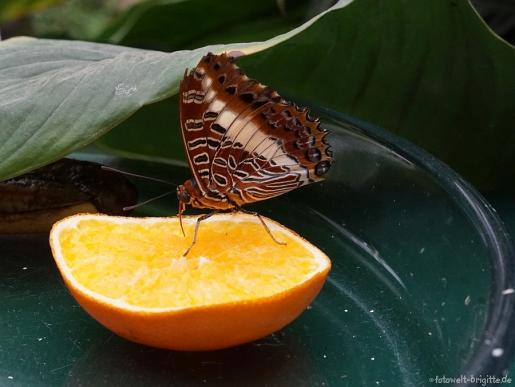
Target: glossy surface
[419, 264]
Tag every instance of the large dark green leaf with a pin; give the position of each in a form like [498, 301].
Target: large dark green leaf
[429, 71]
[161, 142]
[57, 96]
[178, 24]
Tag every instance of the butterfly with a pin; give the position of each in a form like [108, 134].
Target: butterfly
[244, 142]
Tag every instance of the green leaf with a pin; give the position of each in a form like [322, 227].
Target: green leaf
[429, 71]
[58, 96]
[178, 24]
[159, 121]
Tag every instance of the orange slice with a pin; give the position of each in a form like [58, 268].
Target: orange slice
[236, 285]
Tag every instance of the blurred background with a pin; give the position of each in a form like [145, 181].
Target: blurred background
[97, 19]
[100, 20]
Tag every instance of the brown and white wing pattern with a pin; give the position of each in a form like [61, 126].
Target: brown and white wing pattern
[196, 118]
[204, 104]
[244, 141]
[287, 151]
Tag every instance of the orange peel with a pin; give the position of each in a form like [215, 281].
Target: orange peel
[236, 285]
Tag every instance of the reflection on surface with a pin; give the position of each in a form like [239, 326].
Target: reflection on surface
[118, 362]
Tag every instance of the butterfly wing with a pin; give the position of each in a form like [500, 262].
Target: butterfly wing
[243, 140]
[287, 150]
[195, 124]
[204, 107]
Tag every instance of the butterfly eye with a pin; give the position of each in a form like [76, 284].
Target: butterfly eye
[183, 195]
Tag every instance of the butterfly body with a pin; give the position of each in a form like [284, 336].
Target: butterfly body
[244, 143]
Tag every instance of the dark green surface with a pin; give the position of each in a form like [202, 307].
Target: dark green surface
[406, 299]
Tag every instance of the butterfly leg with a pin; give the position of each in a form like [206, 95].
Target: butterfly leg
[199, 219]
[263, 223]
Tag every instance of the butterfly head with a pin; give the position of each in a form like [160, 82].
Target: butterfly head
[188, 194]
[184, 197]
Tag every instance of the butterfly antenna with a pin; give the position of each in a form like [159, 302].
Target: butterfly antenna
[111, 169]
[147, 201]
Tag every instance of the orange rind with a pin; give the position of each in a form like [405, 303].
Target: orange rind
[236, 284]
